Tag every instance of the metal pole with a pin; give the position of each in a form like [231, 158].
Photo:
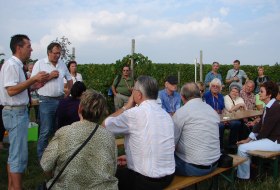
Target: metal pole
[132, 61]
[200, 69]
[195, 72]
[179, 81]
[73, 54]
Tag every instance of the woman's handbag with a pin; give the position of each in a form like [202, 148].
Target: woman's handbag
[69, 160]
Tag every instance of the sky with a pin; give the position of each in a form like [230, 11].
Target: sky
[166, 31]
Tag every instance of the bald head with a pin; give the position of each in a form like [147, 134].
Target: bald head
[189, 91]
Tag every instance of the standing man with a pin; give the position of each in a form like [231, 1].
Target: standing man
[169, 97]
[235, 75]
[14, 97]
[149, 139]
[213, 74]
[51, 92]
[122, 88]
[196, 134]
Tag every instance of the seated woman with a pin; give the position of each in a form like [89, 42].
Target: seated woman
[94, 167]
[266, 135]
[67, 110]
[233, 102]
[216, 100]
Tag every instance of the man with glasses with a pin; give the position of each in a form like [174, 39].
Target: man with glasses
[122, 88]
[216, 100]
[51, 92]
[213, 74]
[149, 139]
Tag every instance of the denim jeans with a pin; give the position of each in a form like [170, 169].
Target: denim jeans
[16, 122]
[47, 110]
[186, 169]
[234, 127]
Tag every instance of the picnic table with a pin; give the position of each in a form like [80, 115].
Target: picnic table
[240, 115]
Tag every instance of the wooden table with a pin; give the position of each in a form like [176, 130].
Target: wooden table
[119, 142]
[240, 115]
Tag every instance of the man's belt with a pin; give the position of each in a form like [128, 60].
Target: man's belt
[51, 97]
[205, 167]
[19, 107]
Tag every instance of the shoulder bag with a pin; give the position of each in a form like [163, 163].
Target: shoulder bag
[72, 156]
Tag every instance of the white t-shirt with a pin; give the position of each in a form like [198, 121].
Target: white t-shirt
[229, 104]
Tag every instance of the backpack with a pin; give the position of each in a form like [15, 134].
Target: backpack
[110, 91]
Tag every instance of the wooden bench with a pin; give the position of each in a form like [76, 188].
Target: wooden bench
[120, 142]
[180, 182]
[273, 155]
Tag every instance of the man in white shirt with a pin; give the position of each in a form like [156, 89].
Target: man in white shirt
[51, 92]
[149, 139]
[14, 97]
[196, 134]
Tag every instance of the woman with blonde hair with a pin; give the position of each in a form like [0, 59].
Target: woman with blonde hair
[94, 167]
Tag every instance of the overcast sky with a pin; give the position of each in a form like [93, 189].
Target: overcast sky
[167, 31]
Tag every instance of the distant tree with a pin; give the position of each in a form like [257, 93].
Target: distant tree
[138, 60]
[2, 60]
[65, 52]
[276, 64]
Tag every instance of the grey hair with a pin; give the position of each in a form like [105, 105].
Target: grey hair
[190, 90]
[148, 86]
[250, 81]
[93, 105]
[215, 81]
[234, 86]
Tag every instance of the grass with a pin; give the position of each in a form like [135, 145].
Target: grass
[33, 175]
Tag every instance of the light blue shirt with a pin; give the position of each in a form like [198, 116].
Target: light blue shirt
[209, 77]
[238, 73]
[170, 103]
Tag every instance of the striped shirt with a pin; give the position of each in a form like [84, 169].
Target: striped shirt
[54, 87]
[149, 138]
[197, 133]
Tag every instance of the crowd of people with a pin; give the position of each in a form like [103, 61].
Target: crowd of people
[166, 133]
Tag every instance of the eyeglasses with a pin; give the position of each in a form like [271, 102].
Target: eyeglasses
[56, 53]
[215, 86]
